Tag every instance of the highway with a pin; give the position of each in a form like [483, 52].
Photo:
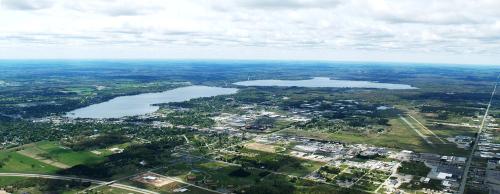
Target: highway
[461, 190]
[115, 185]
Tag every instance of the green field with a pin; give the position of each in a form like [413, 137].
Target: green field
[7, 181]
[58, 153]
[15, 162]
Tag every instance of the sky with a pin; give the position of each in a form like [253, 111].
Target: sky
[436, 31]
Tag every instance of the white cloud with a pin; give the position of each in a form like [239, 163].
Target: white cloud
[26, 4]
[423, 27]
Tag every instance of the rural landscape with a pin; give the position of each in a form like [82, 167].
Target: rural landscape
[247, 127]
[249, 97]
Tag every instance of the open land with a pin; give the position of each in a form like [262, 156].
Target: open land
[260, 139]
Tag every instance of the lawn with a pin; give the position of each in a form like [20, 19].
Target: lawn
[15, 162]
[54, 151]
[7, 181]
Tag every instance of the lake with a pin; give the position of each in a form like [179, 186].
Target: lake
[324, 82]
[142, 103]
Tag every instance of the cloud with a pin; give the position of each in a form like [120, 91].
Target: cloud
[112, 7]
[410, 26]
[287, 4]
[26, 4]
[434, 12]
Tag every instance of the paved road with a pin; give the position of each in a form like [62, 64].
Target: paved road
[115, 185]
[469, 161]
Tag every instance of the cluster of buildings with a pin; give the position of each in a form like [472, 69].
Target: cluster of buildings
[324, 151]
[486, 177]
[246, 121]
[487, 148]
[447, 169]
[462, 141]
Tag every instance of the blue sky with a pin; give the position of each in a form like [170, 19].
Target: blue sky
[439, 31]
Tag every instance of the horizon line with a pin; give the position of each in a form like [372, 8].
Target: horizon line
[381, 62]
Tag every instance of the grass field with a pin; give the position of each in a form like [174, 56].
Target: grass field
[55, 152]
[445, 131]
[15, 162]
[452, 131]
[261, 147]
[7, 181]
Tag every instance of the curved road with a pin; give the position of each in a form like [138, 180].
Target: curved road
[111, 184]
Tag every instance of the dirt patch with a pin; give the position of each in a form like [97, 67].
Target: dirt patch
[153, 179]
[261, 147]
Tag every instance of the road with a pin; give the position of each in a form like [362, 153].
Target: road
[68, 178]
[461, 190]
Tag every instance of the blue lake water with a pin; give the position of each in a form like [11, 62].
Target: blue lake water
[323, 82]
[142, 103]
